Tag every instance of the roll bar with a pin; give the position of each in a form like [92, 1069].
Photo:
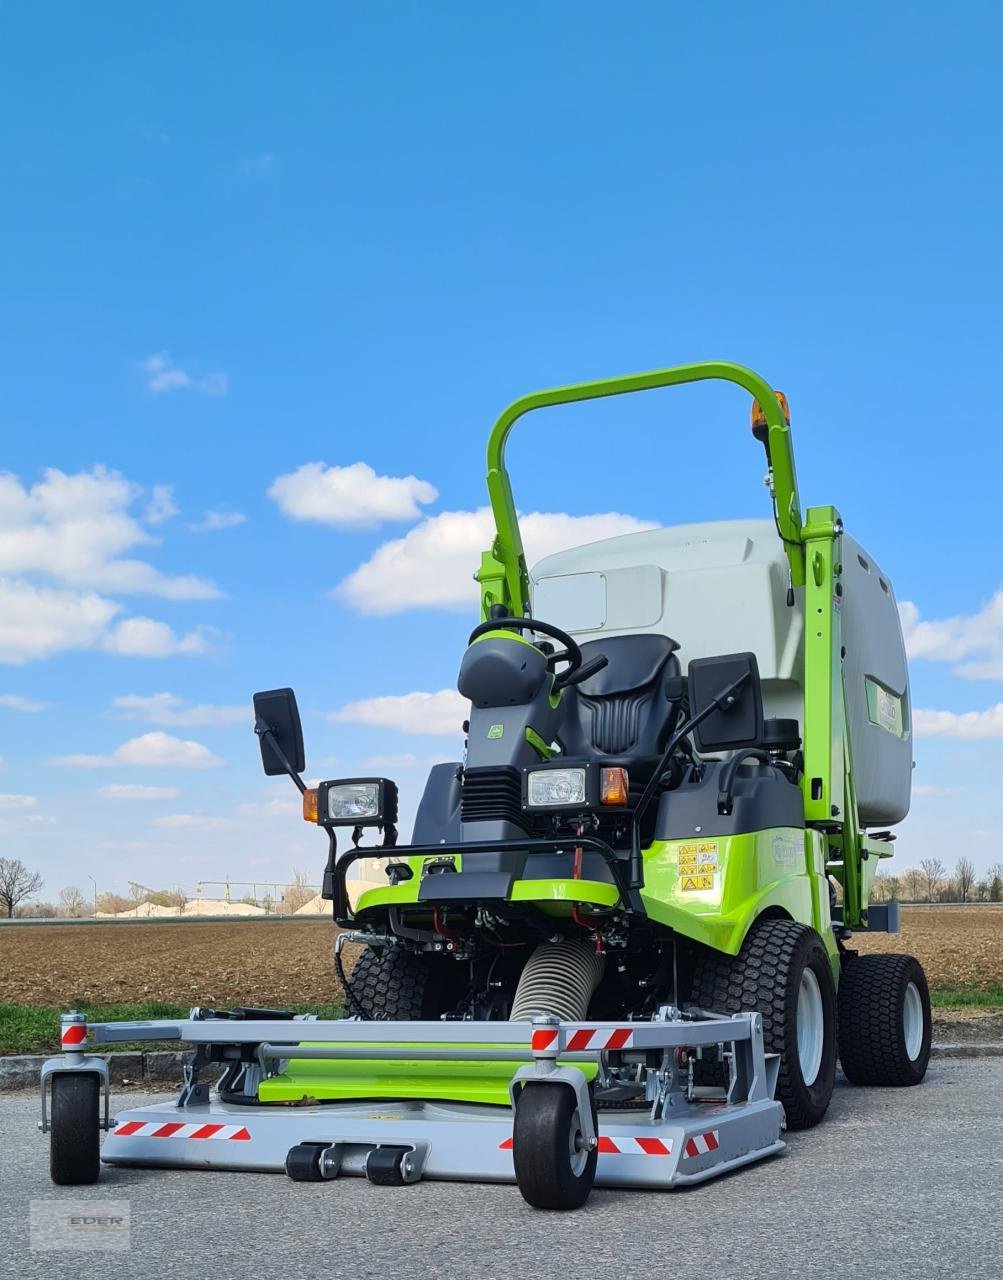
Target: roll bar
[503, 575]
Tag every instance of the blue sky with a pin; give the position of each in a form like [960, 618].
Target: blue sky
[237, 240]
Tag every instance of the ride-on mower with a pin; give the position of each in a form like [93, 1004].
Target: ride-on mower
[616, 949]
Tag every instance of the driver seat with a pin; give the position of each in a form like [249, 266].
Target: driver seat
[629, 708]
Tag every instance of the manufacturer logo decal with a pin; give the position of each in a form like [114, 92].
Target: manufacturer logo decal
[787, 850]
[496, 731]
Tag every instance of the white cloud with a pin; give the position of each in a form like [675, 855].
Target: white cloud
[934, 791]
[347, 497]
[147, 638]
[161, 505]
[433, 565]
[169, 709]
[136, 791]
[402, 760]
[212, 521]
[278, 807]
[190, 821]
[149, 751]
[976, 636]
[76, 528]
[14, 804]
[426, 713]
[260, 165]
[954, 724]
[39, 622]
[27, 706]
[991, 670]
[162, 375]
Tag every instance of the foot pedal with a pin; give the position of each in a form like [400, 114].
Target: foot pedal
[393, 1166]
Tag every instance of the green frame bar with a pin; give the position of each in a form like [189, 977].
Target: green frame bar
[503, 574]
[813, 547]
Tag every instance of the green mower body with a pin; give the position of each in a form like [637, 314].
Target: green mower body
[682, 824]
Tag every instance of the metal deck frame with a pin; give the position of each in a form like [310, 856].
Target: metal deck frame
[676, 1135]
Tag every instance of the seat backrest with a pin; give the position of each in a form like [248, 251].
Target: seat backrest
[623, 709]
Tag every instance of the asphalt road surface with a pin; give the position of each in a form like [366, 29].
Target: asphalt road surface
[895, 1183]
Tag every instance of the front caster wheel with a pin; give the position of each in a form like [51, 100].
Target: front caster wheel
[554, 1167]
[75, 1128]
[303, 1162]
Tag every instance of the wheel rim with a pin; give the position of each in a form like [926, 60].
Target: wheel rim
[577, 1151]
[811, 1026]
[912, 1021]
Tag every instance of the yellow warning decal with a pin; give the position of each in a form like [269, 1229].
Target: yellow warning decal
[696, 882]
[697, 864]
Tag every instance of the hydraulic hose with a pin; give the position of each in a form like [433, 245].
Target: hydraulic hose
[355, 1005]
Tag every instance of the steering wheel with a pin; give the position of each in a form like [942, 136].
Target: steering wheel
[570, 653]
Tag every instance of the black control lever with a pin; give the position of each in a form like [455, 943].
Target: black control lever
[587, 669]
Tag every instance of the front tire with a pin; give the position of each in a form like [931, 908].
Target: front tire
[885, 1027]
[398, 985]
[75, 1128]
[553, 1167]
[783, 971]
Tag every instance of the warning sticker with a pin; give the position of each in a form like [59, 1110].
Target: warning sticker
[696, 882]
[697, 865]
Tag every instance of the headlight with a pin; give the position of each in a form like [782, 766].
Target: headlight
[353, 800]
[356, 802]
[555, 788]
[592, 787]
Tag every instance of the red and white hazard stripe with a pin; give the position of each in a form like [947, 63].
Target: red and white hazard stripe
[73, 1033]
[701, 1143]
[621, 1147]
[154, 1129]
[584, 1038]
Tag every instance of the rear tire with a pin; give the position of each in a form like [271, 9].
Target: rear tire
[75, 1128]
[398, 985]
[552, 1166]
[783, 971]
[885, 1026]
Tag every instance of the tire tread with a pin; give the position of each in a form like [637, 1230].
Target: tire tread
[871, 1041]
[757, 979]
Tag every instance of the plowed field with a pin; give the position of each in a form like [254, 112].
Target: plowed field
[957, 946]
[280, 962]
[235, 962]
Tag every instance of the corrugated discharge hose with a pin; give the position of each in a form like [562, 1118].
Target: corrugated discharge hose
[559, 978]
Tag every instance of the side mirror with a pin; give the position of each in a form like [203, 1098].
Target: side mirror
[280, 734]
[726, 698]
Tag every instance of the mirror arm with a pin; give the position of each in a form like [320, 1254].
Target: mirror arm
[723, 702]
[264, 731]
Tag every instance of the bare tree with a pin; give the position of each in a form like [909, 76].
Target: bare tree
[297, 894]
[964, 877]
[110, 904]
[933, 871]
[36, 910]
[16, 884]
[879, 887]
[71, 902]
[911, 881]
[995, 879]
